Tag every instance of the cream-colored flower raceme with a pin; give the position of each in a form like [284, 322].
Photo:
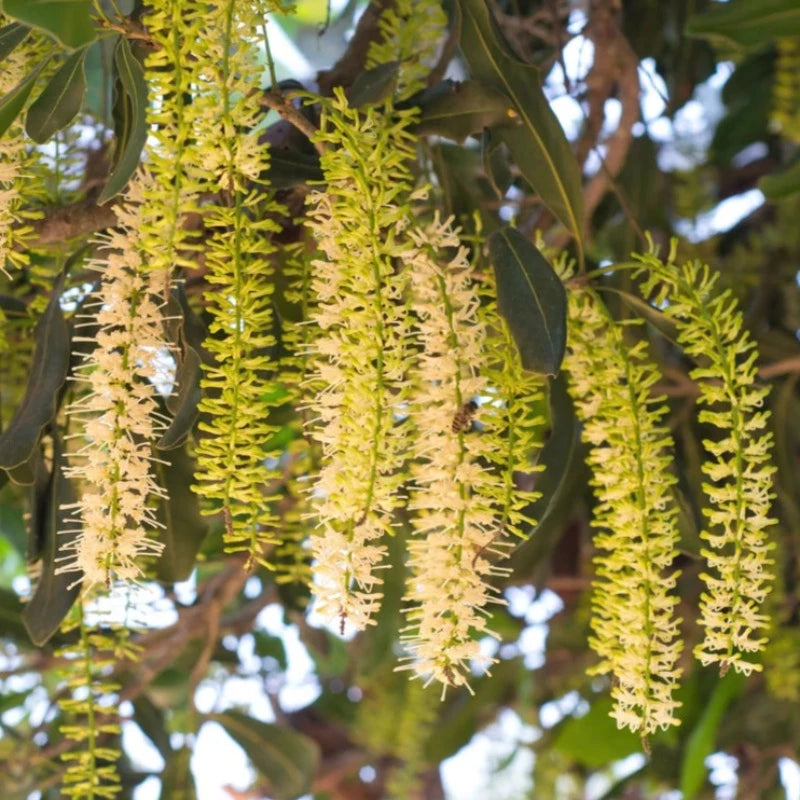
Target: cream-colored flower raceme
[454, 492]
[361, 352]
[118, 418]
[635, 628]
[710, 329]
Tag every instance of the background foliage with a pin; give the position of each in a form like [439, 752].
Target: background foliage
[683, 118]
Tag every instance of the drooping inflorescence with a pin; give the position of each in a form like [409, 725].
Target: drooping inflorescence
[738, 471]
[633, 599]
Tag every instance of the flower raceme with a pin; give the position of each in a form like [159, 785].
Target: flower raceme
[118, 418]
[633, 600]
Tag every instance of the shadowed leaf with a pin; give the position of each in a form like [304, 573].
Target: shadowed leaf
[374, 85]
[60, 100]
[288, 760]
[67, 21]
[532, 300]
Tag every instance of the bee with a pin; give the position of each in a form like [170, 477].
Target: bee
[462, 419]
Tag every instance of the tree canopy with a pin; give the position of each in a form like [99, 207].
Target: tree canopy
[451, 347]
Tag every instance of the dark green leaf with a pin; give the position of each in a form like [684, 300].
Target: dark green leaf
[67, 21]
[286, 759]
[374, 85]
[131, 131]
[457, 110]
[10, 615]
[185, 412]
[268, 646]
[54, 594]
[289, 168]
[562, 459]
[495, 164]
[177, 781]
[700, 744]
[538, 144]
[47, 375]
[153, 722]
[10, 36]
[783, 184]
[594, 739]
[12, 104]
[531, 299]
[184, 526]
[747, 22]
[60, 101]
[38, 509]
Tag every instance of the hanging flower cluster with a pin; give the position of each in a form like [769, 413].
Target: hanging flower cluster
[453, 492]
[633, 601]
[118, 417]
[786, 88]
[710, 329]
[362, 349]
[239, 389]
[17, 180]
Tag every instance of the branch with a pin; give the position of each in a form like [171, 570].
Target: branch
[62, 223]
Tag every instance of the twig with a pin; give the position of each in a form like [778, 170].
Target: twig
[277, 102]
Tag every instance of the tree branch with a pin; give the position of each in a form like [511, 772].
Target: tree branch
[62, 223]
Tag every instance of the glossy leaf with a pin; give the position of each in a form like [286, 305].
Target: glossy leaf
[54, 594]
[184, 526]
[67, 21]
[60, 100]
[532, 300]
[594, 739]
[131, 128]
[11, 104]
[286, 759]
[39, 494]
[564, 469]
[374, 85]
[782, 184]
[10, 36]
[747, 22]
[537, 144]
[457, 110]
[47, 375]
[701, 742]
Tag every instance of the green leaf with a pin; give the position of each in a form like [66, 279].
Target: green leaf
[457, 110]
[39, 505]
[10, 615]
[374, 85]
[177, 781]
[747, 22]
[131, 127]
[188, 333]
[153, 722]
[10, 36]
[60, 101]
[700, 744]
[184, 527]
[268, 646]
[495, 164]
[47, 375]
[289, 168]
[54, 594]
[12, 104]
[532, 300]
[594, 739]
[538, 144]
[286, 759]
[562, 459]
[67, 21]
[783, 184]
